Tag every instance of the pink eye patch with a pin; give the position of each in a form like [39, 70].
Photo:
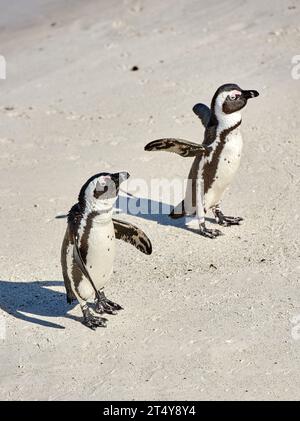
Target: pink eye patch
[103, 180]
[235, 93]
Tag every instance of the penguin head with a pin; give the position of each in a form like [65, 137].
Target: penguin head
[100, 192]
[230, 99]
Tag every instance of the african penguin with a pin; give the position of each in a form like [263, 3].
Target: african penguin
[216, 159]
[88, 247]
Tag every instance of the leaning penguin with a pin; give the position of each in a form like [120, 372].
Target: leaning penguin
[88, 247]
[216, 159]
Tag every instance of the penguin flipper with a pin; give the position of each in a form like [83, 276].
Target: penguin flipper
[79, 260]
[133, 235]
[70, 294]
[203, 112]
[180, 146]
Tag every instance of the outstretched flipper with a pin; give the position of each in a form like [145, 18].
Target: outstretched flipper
[203, 112]
[180, 146]
[133, 235]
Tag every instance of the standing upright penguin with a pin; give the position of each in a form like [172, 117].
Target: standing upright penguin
[88, 247]
[216, 159]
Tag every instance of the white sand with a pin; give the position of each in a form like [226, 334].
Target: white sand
[189, 330]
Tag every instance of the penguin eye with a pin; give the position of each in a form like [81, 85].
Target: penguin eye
[100, 191]
[234, 95]
[101, 187]
[104, 189]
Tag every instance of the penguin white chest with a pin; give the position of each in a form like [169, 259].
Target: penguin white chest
[228, 164]
[101, 252]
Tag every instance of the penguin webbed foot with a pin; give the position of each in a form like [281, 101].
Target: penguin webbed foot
[92, 321]
[209, 233]
[231, 220]
[227, 221]
[104, 305]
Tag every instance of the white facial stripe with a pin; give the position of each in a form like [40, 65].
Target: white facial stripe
[89, 191]
[94, 204]
[220, 99]
[226, 120]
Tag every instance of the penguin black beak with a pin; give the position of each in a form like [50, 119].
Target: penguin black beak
[249, 94]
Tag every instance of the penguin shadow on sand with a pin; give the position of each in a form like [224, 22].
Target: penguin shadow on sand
[32, 301]
[153, 210]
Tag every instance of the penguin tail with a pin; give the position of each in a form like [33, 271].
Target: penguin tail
[178, 211]
[70, 298]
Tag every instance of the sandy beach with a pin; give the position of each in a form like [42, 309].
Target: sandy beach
[203, 319]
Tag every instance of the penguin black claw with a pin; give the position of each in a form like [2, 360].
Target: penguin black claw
[104, 305]
[115, 306]
[93, 322]
[209, 233]
[226, 221]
